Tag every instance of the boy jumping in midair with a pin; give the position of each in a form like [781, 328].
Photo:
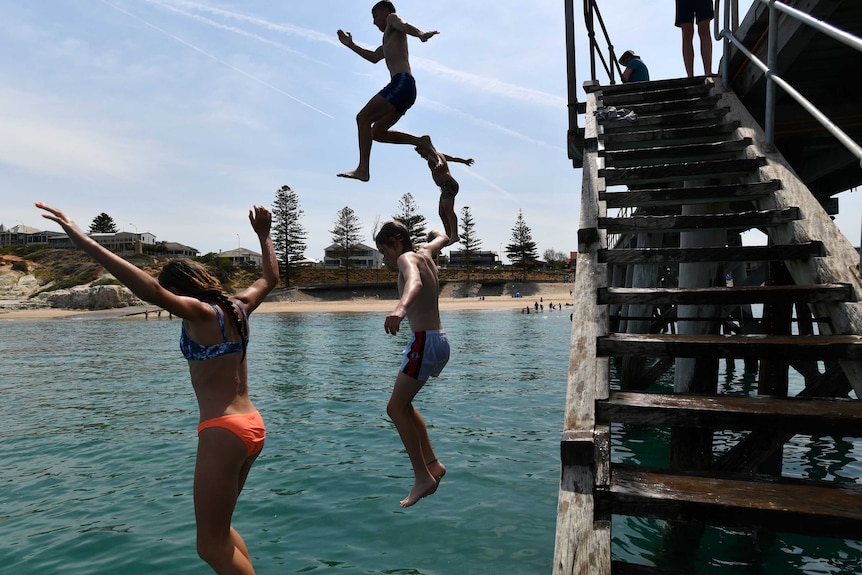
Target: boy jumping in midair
[438, 164]
[426, 353]
[386, 107]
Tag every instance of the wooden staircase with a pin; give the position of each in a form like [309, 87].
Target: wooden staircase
[652, 297]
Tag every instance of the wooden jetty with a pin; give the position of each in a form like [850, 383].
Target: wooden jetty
[665, 286]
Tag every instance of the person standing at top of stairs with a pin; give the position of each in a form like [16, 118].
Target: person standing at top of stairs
[687, 13]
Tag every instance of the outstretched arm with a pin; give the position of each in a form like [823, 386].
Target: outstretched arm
[372, 56]
[141, 283]
[468, 161]
[395, 21]
[253, 295]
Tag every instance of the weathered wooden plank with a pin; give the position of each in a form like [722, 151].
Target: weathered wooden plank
[737, 253]
[837, 417]
[582, 544]
[659, 107]
[727, 295]
[714, 133]
[821, 347]
[621, 99]
[689, 195]
[654, 86]
[684, 118]
[730, 221]
[676, 154]
[822, 509]
[681, 172]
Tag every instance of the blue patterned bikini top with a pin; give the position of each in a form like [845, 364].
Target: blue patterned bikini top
[192, 350]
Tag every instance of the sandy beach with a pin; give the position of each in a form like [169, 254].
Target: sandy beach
[546, 293]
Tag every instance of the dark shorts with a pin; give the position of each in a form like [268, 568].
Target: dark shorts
[448, 190]
[690, 11]
[400, 92]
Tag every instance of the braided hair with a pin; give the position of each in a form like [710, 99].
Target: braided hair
[193, 279]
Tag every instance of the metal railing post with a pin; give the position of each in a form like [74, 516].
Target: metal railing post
[725, 58]
[771, 61]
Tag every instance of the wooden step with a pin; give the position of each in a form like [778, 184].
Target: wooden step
[694, 103]
[817, 347]
[691, 195]
[674, 154]
[734, 253]
[731, 221]
[814, 508]
[718, 132]
[681, 172]
[651, 86]
[668, 120]
[643, 94]
[820, 293]
[835, 417]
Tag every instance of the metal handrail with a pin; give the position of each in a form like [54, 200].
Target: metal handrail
[773, 79]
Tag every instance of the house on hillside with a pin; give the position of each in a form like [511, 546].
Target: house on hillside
[242, 256]
[458, 259]
[361, 256]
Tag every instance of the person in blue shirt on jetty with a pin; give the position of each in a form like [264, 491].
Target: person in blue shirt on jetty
[213, 339]
[636, 70]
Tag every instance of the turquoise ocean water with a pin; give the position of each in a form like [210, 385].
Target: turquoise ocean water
[98, 435]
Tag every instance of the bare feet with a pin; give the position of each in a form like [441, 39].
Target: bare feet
[420, 490]
[357, 174]
[437, 469]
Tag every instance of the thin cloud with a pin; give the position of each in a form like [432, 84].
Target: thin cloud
[235, 30]
[217, 59]
[491, 85]
[449, 111]
[297, 31]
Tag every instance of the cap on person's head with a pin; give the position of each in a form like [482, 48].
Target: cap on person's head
[626, 56]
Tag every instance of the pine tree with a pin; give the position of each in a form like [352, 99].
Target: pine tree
[288, 235]
[415, 223]
[345, 235]
[468, 237]
[103, 224]
[522, 250]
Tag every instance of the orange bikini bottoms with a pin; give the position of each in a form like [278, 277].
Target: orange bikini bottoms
[247, 426]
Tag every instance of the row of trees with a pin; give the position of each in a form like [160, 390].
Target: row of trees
[289, 236]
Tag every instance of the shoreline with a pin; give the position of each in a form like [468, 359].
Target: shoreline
[556, 293]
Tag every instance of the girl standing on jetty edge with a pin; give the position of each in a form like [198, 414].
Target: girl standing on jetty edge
[231, 431]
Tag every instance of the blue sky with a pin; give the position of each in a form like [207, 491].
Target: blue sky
[175, 116]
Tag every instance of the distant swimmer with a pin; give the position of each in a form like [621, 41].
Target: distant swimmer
[213, 339]
[438, 164]
[426, 353]
[386, 107]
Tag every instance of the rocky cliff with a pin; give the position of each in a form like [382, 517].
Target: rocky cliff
[17, 291]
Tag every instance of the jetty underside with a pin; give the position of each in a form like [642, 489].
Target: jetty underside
[666, 289]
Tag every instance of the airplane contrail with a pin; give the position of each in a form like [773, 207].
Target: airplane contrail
[217, 59]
